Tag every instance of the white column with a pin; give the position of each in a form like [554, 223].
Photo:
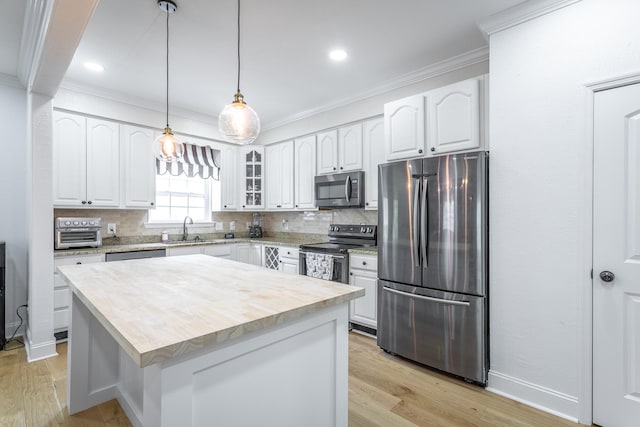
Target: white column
[40, 342]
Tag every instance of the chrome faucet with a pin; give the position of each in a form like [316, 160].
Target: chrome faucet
[185, 233]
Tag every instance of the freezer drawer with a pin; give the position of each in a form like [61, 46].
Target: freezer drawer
[444, 330]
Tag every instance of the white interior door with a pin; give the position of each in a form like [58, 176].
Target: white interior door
[616, 300]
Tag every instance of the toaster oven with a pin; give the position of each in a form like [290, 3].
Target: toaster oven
[77, 232]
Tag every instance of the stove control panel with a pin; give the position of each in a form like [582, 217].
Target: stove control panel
[361, 231]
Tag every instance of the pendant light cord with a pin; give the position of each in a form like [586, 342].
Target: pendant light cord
[238, 46]
[167, 12]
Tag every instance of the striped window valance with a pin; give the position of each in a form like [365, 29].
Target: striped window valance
[197, 161]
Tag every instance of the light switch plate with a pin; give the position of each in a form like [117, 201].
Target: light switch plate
[232, 225]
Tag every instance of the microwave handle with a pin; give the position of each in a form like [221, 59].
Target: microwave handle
[347, 188]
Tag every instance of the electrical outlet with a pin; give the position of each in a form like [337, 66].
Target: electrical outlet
[111, 229]
[232, 225]
[248, 225]
[219, 226]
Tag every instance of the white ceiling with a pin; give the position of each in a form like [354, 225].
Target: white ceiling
[285, 43]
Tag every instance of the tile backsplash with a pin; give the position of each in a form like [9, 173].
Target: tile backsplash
[130, 224]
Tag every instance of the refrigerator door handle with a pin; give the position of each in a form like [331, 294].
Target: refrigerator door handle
[424, 223]
[430, 299]
[415, 225]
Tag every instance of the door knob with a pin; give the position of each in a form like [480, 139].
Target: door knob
[607, 276]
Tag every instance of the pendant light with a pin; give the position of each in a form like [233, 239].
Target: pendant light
[237, 121]
[167, 147]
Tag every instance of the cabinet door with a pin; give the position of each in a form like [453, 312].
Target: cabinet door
[288, 265]
[404, 128]
[364, 310]
[229, 178]
[220, 251]
[103, 163]
[69, 160]
[373, 151]
[139, 167]
[305, 172]
[350, 148]
[454, 117]
[279, 180]
[252, 185]
[327, 152]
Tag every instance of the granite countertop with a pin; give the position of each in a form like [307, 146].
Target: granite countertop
[282, 240]
[161, 308]
[370, 250]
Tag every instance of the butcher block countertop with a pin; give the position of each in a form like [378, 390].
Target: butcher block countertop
[161, 308]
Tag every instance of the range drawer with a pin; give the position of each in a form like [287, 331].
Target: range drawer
[363, 262]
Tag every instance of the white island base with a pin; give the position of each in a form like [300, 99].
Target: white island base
[291, 374]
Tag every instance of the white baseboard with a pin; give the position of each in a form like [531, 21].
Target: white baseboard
[539, 397]
[39, 351]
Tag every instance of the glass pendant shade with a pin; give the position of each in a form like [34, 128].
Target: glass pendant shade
[239, 122]
[167, 147]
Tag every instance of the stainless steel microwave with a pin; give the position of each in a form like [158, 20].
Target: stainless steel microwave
[340, 190]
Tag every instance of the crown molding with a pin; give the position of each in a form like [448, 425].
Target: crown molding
[519, 14]
[36, 22]
[136, 101]
[11, 81]
[454, 63]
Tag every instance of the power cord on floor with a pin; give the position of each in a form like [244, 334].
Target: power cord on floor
[13, 337]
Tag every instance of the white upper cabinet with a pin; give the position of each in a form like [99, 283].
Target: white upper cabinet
[350, 148]
[454, 117]
[86, 162]
[139, 166]
[373, 142]
[305, 172]
[252, 183]
[229, 178]
[327, 152]
[340, 150]
[279, 179]
[69, 159]
[444, 120]
[404, 128]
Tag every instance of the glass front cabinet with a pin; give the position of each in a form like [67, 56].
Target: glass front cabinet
[252, 196]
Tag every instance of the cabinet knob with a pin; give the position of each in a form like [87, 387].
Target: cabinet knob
[350, 274]
[433, 148]
[225, 206]
[341, 168]
[334, 168]
[420, 151]
[243, 206]
[364, 262]
[296, 206]
[89, 202]
[278, 206]
[367, 203]
[78, 262]
[152, 203]
[84, 202]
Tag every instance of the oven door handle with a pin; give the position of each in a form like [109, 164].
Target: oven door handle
[312, 252]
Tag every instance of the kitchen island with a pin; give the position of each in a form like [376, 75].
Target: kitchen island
[196, 340]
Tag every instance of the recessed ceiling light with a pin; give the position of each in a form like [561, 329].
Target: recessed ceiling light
[93, 67]
[338, 55]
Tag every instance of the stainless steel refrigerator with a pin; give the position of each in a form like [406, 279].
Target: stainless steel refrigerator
[433, 262]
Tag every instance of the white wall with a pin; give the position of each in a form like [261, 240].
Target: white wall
[13, 193]
[541, 195]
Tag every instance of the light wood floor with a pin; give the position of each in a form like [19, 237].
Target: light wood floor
[384, 391]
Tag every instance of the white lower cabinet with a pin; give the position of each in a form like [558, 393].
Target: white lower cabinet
[185, 250]
[363, 272]
[61, 292]
[289, 260]
[249, 253]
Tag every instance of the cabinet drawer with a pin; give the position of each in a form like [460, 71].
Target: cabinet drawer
[77, 259]
[61, 318]
[288, 252]
[61, 298]
[363, 262]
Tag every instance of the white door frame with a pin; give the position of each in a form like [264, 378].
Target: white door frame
[585, 297]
